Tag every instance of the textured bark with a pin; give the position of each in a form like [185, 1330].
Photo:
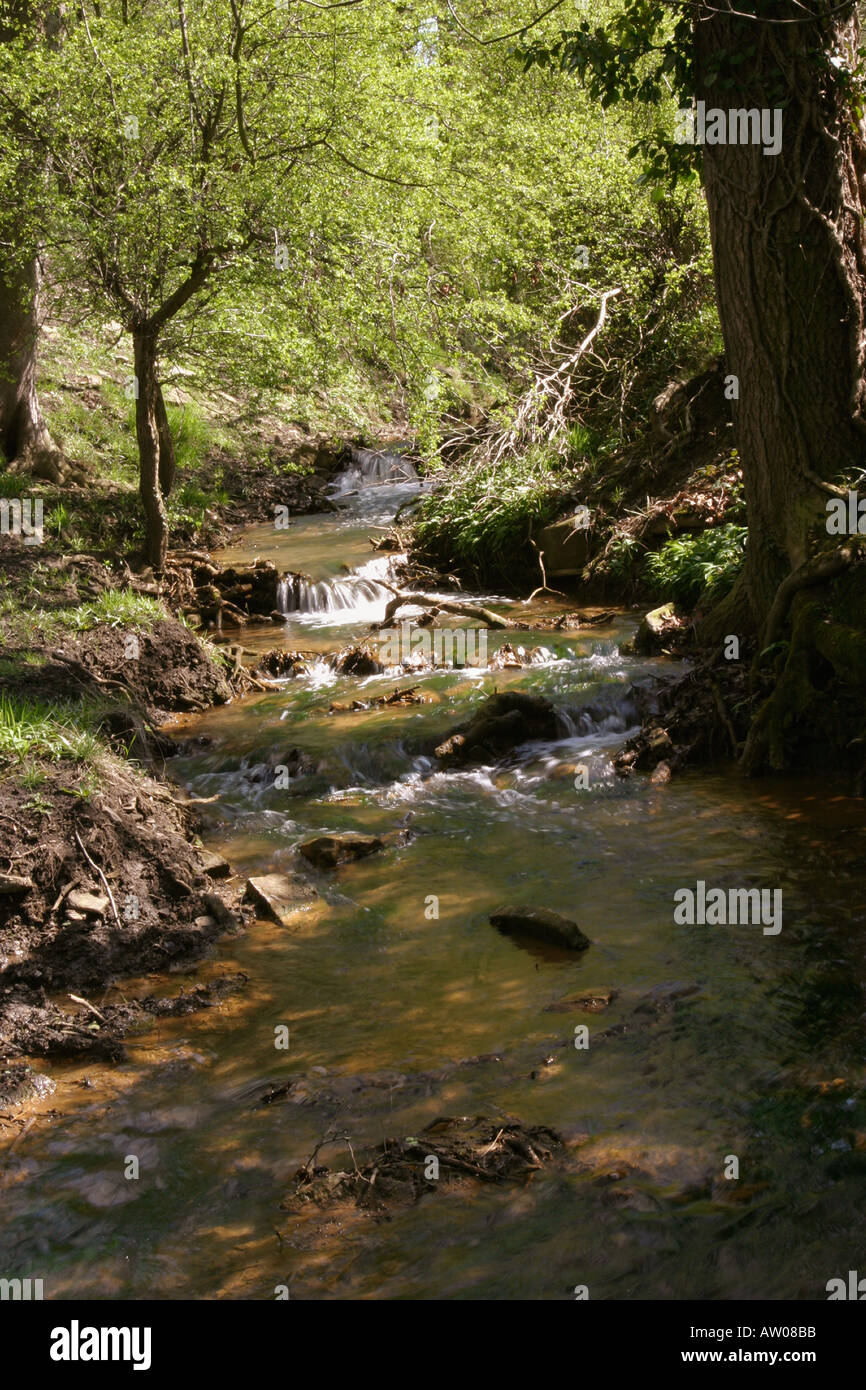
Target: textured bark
[790, 268]
[167, 462]
[24, 436]
[147, 434]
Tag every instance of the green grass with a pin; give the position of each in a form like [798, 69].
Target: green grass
[35, 729]
[117, 607]
[15, 485]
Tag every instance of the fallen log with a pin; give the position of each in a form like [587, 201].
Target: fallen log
[466, 610]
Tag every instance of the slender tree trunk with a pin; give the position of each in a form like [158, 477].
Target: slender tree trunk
[790, 268]
[24, 436]
[147, 434]
[167, 462]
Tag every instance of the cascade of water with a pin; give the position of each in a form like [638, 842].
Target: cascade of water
[297, 594]
[372, 468]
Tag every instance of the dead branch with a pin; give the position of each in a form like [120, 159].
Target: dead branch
[95, 866]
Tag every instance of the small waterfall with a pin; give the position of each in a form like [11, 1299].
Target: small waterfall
[354, 593]
[373, 468]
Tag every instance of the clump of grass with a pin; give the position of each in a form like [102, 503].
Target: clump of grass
[35, 729]
[193, 434]
[686, 566]
[13, 485]
[17, 664]
[117, 607]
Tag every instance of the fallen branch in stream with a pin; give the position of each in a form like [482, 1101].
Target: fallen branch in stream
[466, 610]
[79, 999]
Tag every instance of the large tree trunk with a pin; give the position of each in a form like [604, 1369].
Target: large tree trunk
[790, 266]
[147, 434]
[24, 437]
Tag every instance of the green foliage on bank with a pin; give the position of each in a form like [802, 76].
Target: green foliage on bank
[481, 520]
[686, 566]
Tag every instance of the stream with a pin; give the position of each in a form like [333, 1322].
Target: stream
[719, 1041]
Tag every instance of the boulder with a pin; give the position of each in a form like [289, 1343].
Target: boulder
[654, 630]
[542, 925]
[565, 545]
[328, 851]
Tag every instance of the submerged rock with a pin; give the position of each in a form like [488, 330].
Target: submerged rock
[542, 925]
[589, 1001]
[328, 851]
[503, 722]
[279, 895]
[19, 1084]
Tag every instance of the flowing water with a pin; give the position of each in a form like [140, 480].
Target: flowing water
[398, 1017]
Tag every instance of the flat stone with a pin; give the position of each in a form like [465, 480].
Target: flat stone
[92, 904]
[327, 851]
[205, 922]
[542, 925]
[214, 865]
[279, 895]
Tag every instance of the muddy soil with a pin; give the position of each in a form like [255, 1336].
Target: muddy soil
[108, 885]
[100, 876]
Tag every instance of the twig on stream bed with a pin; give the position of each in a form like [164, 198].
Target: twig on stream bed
[77, 999]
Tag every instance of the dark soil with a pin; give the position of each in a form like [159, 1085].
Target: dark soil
[108, 829]
[699, 719]
[164, 911]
